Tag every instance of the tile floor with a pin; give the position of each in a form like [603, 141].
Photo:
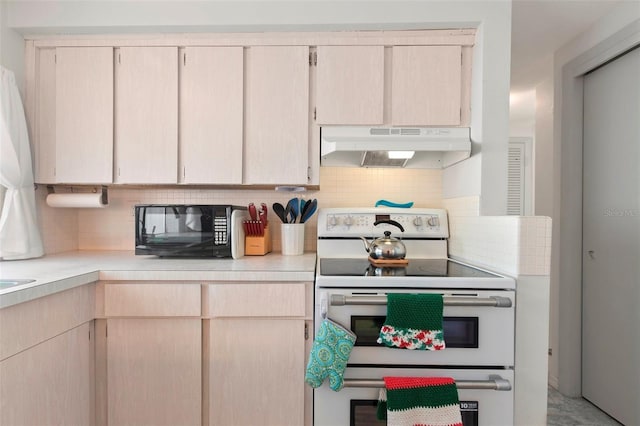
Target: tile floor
[565, 411]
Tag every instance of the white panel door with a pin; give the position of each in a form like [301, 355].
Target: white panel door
[146, 141]
[276, 115]
[350, 86]
[211, 108]
[84, 115]
[426, 85]
[611, 239]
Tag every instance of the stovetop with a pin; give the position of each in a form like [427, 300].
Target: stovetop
[361, 267]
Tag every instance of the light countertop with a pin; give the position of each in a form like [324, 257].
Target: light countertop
[58, 272]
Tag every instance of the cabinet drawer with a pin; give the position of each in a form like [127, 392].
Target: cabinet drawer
[257, 300]
[152, 300]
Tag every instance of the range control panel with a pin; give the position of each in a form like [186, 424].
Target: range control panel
[354, 222]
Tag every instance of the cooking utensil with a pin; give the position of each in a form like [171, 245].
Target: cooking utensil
[295, 208]
[263, 214]
[289, 214]
[309, 209]
[386, 247]
[253, 214]
[280, 212]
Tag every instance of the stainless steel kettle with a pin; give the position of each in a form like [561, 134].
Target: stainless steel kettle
[386, 247]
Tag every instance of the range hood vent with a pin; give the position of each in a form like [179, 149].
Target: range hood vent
[415, 147]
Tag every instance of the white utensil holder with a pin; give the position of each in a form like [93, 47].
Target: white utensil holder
[292, 238]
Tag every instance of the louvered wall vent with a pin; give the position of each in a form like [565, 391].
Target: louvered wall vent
[515, 179]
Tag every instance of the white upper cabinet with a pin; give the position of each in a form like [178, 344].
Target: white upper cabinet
[350, 85]
[211, 121]
[84, 115]
[146, 138]
[276, 115]
[426, 85]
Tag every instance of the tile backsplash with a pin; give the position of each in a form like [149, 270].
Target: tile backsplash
[516, 245]
[112, 228]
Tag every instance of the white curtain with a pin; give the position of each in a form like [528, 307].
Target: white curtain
[19, 233]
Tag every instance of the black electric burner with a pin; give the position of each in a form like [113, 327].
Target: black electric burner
[359, 267]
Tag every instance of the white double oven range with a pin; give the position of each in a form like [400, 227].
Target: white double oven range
[478, 316]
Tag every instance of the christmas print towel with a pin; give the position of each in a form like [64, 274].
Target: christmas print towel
[419, 401]
[414, 321]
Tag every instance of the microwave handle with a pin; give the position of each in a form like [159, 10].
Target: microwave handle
[495, 382]
[492, 301]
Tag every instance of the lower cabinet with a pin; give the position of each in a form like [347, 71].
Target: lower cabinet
[154, 371]
[49, 383]
[255, 354]
[256, 372]
[153, 361]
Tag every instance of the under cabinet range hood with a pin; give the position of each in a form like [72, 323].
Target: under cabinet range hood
[409, 147]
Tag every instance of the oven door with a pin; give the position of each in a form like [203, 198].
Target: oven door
[486, 396]
[475, 332]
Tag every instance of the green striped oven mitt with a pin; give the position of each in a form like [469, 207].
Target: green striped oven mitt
[414, 321]
[329, 355]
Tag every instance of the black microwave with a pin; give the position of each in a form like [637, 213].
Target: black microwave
[187, 230]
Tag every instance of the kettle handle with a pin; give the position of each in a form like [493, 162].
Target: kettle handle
[390, 222]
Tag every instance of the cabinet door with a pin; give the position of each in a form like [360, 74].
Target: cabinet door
[84, 115]
[154, 371]
[50, 383]
[211, 108]
[45, 127]
[277, 115]
[146, 141]
[350, 87]
[426, 85]
[256, 372]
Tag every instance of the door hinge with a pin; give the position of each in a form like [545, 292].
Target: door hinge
[315, 113]
[106, 330]
[184, 59]
[315, 58]
[306, 331]
[119, 58]
[55, 58]
[308, 174]
[89, 334]
[310, 58]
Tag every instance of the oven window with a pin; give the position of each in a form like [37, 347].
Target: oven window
[363, 413]
[459, 332]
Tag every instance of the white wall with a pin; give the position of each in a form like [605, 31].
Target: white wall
[547, 197]
[490, 113]
[522, 113]
[11, 48]
[559, 176]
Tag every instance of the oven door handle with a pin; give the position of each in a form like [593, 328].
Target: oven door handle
[495, 382]
[492, 301]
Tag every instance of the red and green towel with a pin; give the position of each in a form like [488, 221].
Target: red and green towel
[414, 321]
[419, 401]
